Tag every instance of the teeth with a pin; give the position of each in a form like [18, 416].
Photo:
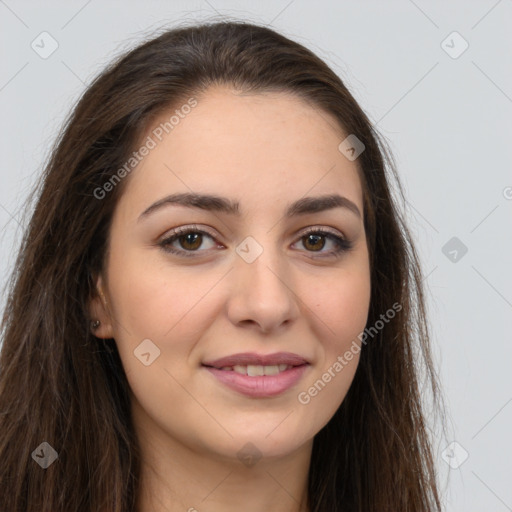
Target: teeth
[257, 370]
[268, 370]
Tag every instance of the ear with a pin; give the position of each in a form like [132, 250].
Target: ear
[99, 310]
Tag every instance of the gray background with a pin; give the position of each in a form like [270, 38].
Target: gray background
[448, 121]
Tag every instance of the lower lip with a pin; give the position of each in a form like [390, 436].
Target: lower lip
[261, 386]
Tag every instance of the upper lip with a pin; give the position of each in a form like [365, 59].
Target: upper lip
[250, 358]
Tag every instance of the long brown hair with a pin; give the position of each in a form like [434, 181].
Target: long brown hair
[61, 385]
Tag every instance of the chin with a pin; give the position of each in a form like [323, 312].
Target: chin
[265, 443]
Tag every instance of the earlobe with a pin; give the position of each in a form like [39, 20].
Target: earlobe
[101, 318]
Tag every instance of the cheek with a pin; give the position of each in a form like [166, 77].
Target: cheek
[169, 306]
[152, 298]
[341, 307]
[341, 313]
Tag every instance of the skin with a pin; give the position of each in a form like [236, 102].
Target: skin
[264, 150]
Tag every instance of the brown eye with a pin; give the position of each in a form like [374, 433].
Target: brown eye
[326, 243]
[188, 241]
[314, 242]
[191, 241]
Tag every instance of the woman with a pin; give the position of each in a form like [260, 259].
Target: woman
[216, 305]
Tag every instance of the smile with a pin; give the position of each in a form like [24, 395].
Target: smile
[258, 376]
[257, 370]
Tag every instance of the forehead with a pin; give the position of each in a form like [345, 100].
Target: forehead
[256, 147]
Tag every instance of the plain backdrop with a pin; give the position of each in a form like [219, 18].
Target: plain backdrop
[434, 77]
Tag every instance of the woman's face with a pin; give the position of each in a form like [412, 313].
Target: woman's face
[246, 283]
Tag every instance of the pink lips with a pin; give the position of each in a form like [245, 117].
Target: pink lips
[258, 359]
[259, 386]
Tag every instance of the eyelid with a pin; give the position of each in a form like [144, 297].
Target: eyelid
[302, 232]
[183, 230]
[323, 229]
[343, 244]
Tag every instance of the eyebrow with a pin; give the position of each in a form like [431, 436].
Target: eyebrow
[214, 203]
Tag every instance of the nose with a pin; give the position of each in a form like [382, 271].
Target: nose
[262, 295]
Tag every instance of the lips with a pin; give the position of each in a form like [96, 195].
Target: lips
[257, 375]
[252, 359]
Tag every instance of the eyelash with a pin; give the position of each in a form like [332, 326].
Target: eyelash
[342, 245]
